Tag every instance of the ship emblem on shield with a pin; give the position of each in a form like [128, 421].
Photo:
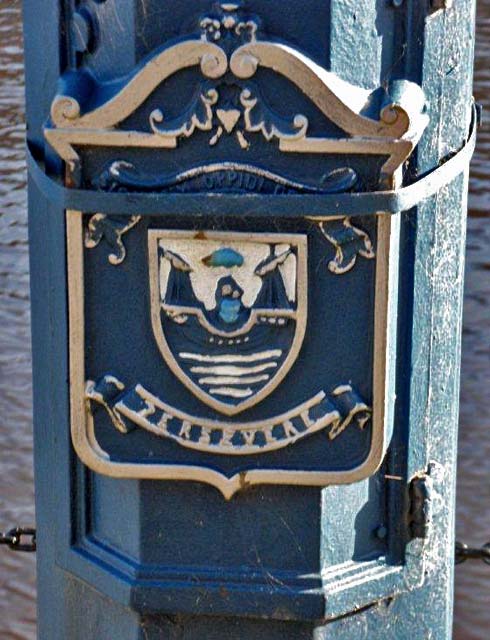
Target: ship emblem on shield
[228, 311]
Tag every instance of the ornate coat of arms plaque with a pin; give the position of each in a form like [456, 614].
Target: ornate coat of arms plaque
[229, 313]
[219, 347]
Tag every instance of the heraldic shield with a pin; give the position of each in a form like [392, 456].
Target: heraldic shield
[228, 311]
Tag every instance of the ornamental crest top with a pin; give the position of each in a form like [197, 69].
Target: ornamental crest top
[231, 102]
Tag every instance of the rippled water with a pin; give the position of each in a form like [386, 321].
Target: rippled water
[472, 603]
[17, 592]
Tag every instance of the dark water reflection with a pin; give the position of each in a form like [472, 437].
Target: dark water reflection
[472, 597]
[17, 592]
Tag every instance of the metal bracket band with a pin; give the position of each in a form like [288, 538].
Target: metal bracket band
[287, 206]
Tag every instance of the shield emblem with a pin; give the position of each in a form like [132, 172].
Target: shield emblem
[228, 311]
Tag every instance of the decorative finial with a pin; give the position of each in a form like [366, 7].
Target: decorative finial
[228, 20]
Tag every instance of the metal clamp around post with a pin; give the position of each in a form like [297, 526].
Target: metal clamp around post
[314, 206]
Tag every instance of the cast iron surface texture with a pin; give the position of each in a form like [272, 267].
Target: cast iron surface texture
[437, 54]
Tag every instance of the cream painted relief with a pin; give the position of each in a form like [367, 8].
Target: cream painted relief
[229, 313]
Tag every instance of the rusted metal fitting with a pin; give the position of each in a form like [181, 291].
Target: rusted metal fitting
[436, 5]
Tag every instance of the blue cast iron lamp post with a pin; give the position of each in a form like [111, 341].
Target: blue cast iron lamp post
[247, 238]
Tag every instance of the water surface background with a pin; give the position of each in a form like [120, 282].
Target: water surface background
[17, 571]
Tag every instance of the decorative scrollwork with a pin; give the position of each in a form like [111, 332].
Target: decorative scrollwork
[228, 22]
[199, 116]
[349, 242]
[133, 407]
[111, 228]
[260, 119]
[226, 177]
[243, 111]
[64, 108]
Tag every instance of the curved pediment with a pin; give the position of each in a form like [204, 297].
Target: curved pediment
[66, 110]
[228, 55]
